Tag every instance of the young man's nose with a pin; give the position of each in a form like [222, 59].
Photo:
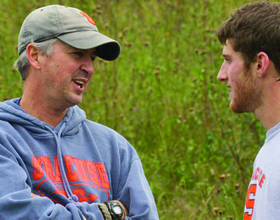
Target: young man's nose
[222, 75]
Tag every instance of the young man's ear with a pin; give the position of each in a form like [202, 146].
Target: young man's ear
[262, 63]
[33, 55]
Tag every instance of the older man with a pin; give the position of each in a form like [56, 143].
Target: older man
[54, 163]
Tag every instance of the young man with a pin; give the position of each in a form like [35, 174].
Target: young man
[54, 163]
[251, 70]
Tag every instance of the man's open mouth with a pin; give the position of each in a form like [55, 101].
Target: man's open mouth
[80, 83]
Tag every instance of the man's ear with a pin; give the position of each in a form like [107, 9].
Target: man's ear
[262, 63]
[33, 55]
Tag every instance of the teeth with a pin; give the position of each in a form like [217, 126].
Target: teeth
[80, 82]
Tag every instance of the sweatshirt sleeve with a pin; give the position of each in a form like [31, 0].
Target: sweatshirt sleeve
[140, 202]
[129, 184]
[16, 201]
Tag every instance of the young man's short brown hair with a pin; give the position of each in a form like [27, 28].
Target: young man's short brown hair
[254, 28]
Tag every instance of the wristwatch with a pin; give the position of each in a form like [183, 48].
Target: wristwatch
[115, 210]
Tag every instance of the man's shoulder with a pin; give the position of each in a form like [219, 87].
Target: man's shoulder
[7, 130]
[98, 127]
[100, 130]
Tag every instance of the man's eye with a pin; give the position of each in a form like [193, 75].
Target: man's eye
[93, 58]
[227, 59]
[78, 54]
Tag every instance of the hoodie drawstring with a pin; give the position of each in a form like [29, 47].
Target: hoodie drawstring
[72, 197]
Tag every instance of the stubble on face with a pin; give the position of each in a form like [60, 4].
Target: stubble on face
[74, 97]
[248, 96]
[62, 68]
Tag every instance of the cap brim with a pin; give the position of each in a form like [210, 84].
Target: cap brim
[106, 48]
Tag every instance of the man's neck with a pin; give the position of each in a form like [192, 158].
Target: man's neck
[269, 115]
[43, 111]
[269, 112]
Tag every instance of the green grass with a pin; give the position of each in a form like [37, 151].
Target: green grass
[163, 96]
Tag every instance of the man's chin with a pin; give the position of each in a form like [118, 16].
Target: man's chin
[238, 108]
[75, 101]
[234, 108]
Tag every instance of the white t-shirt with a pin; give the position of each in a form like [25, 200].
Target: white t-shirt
[263, 196]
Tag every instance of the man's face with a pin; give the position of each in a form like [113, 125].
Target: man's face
[65, 74]
[245, 92]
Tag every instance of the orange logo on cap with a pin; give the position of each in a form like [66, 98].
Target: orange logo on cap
[88, 17]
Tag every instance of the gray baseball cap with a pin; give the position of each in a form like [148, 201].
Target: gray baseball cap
[69, 25]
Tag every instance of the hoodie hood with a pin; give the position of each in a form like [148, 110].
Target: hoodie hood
[10, 111]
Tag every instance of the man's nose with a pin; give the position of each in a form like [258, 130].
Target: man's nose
[87, 65]
[222, 75]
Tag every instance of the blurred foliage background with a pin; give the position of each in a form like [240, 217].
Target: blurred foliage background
[163, 96]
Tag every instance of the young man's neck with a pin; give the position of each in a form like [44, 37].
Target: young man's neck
[269, 112]
[269, 115]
